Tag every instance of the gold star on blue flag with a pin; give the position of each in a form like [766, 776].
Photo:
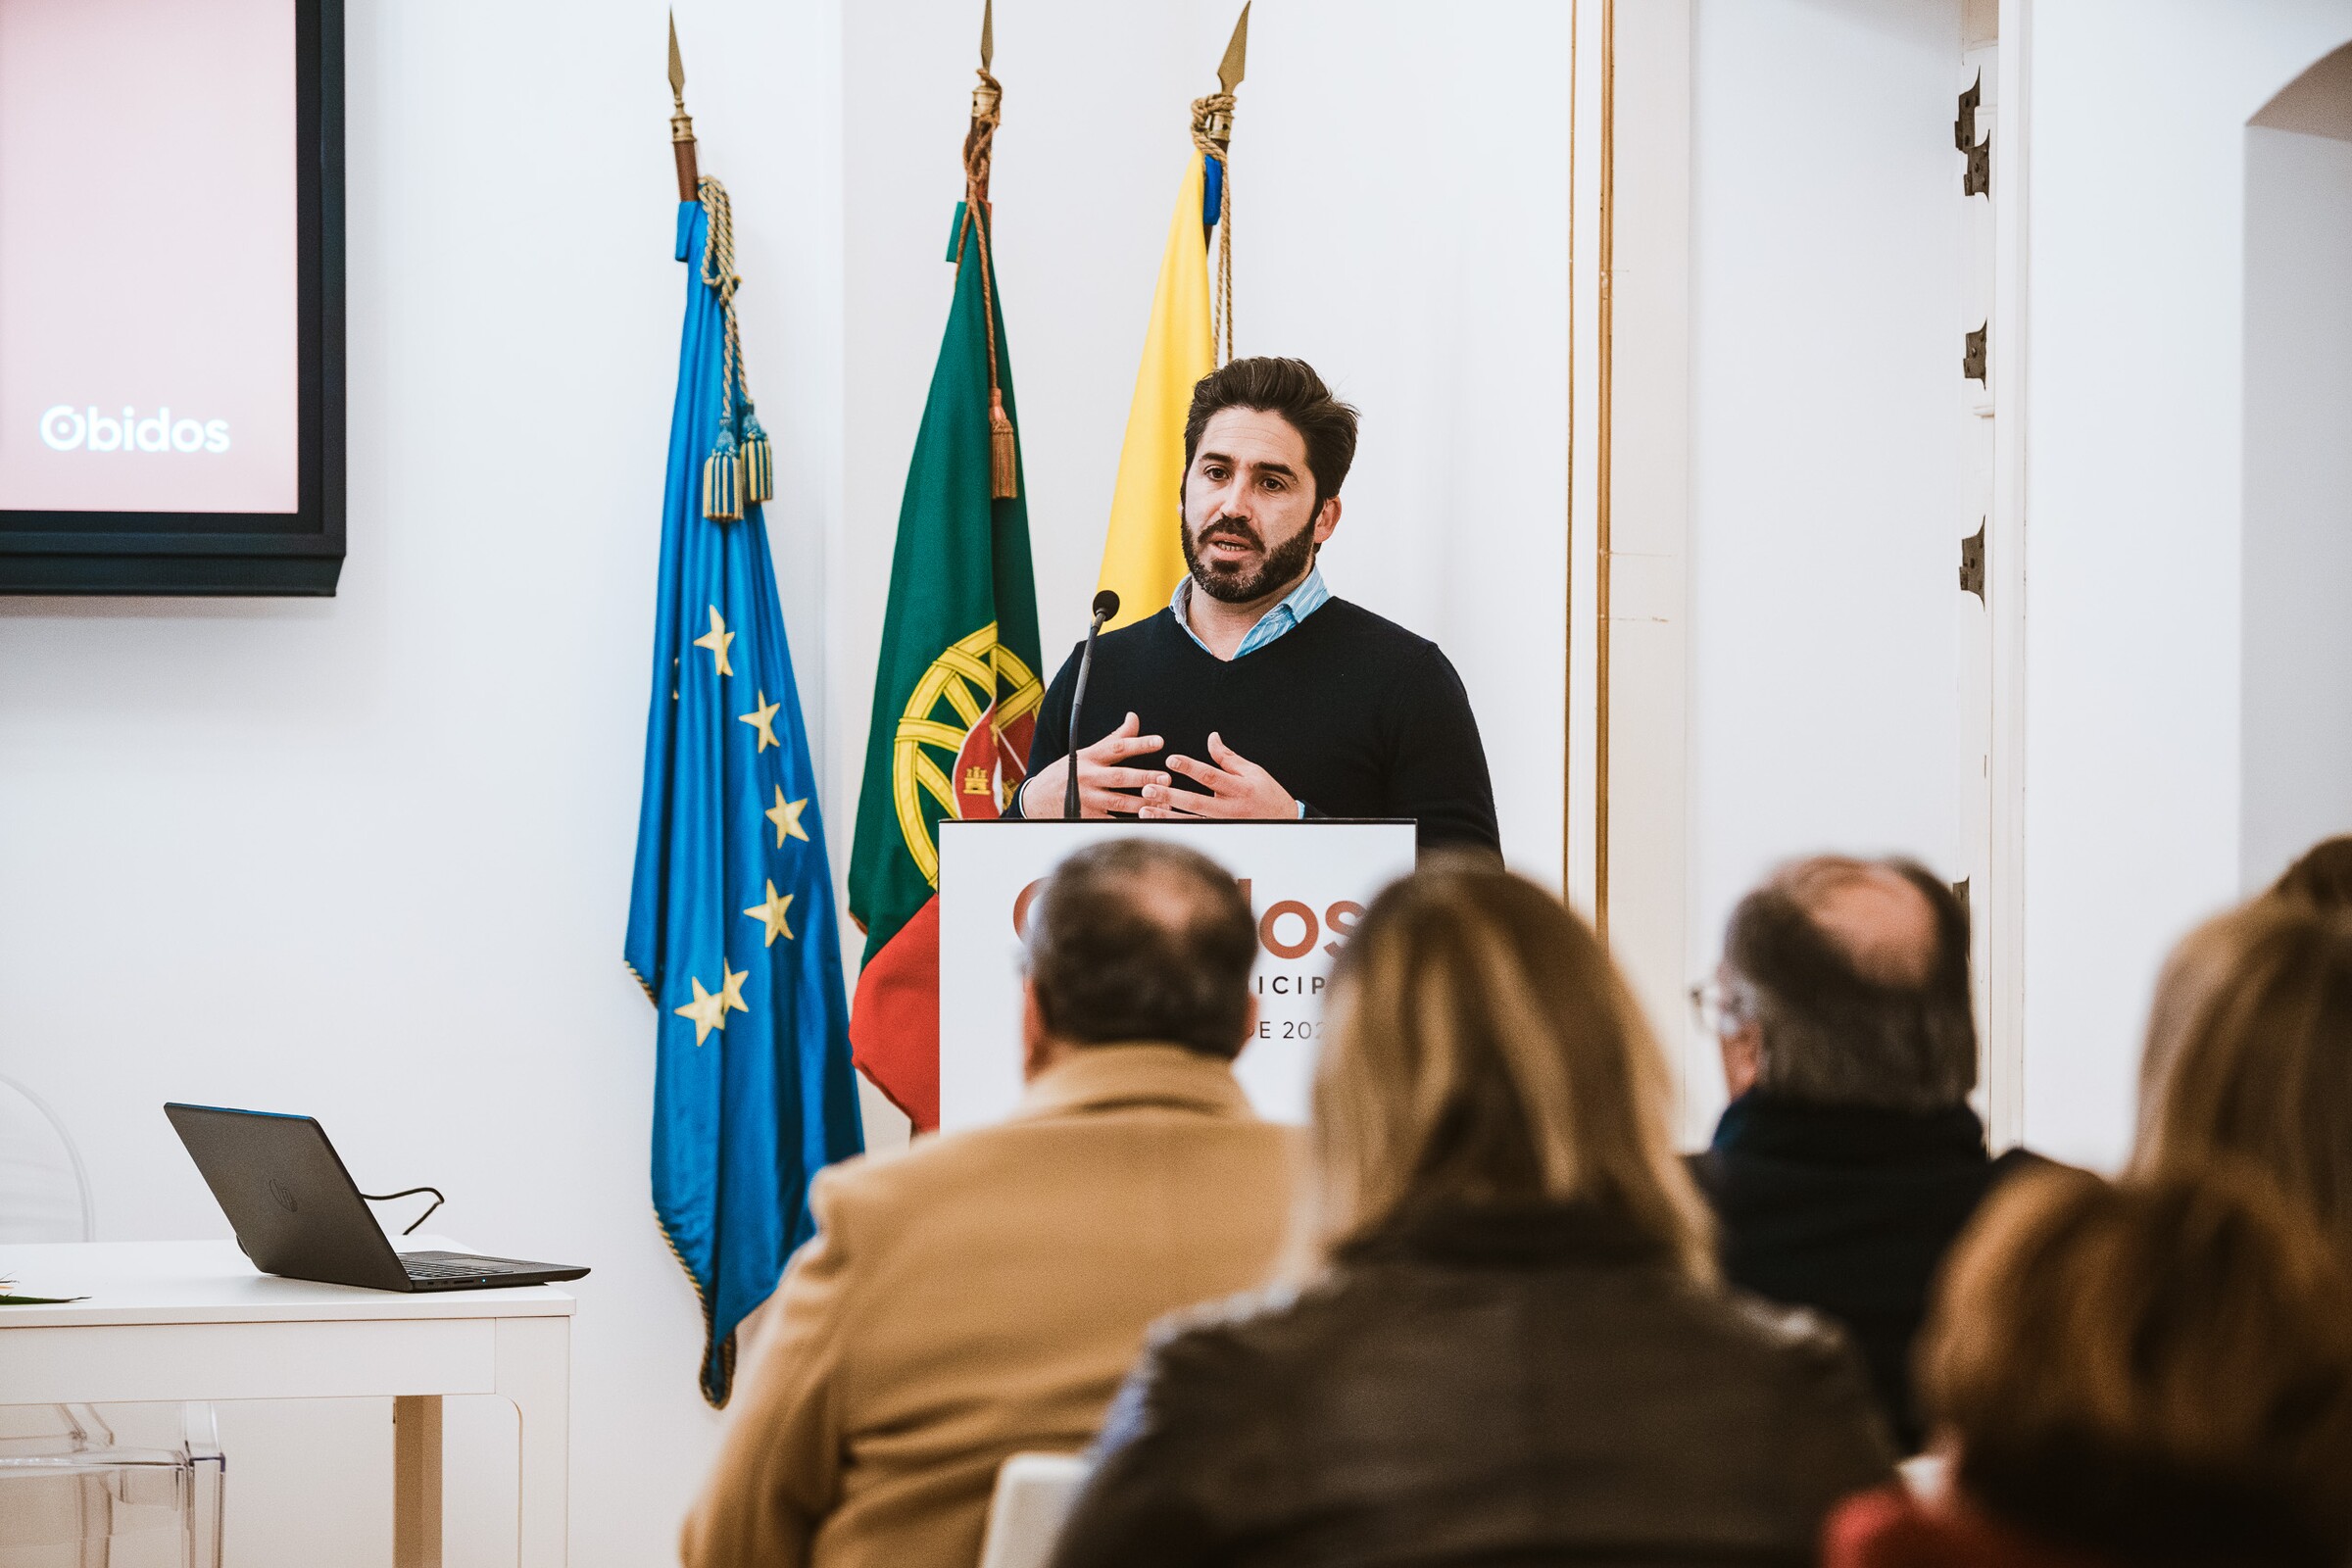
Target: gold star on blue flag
[753, 1088]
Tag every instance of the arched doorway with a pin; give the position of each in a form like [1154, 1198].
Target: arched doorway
[2295, 737]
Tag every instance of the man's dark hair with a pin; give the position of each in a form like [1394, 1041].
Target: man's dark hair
[1139, 940]
[1291, 389]
[1835, 1035]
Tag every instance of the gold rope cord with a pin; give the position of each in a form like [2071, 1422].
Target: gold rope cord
[1208, 113]
[719, 272]
[728, 487]
[979, 150]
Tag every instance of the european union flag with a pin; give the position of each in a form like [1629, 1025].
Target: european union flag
[732, 922]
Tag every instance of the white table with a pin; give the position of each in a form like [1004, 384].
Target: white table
[172, 1321]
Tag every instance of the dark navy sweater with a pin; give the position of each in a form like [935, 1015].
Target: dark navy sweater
[1353, 715]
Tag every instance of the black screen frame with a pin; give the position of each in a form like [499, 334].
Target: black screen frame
[224, 552]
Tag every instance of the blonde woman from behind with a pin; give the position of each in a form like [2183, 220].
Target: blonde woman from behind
[2249, 1056]
[1510, 1343]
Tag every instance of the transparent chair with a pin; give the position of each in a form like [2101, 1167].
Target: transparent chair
[132, 1486]
[120, 1485]
[44, 1193]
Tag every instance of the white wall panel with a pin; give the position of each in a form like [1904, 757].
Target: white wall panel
[1827, 479]
[2134, 480]
[2295, 771]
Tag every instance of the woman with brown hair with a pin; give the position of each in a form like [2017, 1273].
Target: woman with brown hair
[2157, 1372]
[2320, 876]
[1509, 1344]
[2249, 1054]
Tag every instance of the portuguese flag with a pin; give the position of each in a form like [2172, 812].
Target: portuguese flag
[955, 697]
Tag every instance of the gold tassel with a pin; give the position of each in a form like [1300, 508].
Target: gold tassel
[758, 469]
[1002, 485]
[722, 485]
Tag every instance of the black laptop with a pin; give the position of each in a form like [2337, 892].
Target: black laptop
[297, 1212]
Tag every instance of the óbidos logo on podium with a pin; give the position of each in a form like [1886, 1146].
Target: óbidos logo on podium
[65, 428]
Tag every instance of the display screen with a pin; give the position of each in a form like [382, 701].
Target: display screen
[150, 310]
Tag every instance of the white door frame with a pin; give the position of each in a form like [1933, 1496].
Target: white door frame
[1627, 827]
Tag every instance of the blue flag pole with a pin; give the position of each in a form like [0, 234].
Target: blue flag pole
[731, 922]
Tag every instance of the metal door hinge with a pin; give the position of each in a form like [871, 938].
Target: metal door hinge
[1972, 563]
[1972, 354]
[1960, 892]
[1978, 180]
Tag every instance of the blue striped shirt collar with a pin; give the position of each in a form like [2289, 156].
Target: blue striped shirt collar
[1300, 603]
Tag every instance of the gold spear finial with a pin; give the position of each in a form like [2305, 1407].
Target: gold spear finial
[1237, 53]
[988, 97]
[1212, 117]
[681, 125]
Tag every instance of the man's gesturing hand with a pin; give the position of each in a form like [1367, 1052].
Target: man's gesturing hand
[1237, 787]
[1104, 788]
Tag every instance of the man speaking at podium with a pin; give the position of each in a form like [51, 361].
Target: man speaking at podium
[1255, 692]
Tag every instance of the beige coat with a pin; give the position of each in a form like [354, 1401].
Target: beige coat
[981, 1294]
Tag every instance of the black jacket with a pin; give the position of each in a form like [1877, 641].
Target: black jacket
[1539, 1385]
[1849, 1211]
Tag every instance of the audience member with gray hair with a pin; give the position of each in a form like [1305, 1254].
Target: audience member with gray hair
[1848, 1159]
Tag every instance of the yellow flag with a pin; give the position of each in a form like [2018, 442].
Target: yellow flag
[1142, 558]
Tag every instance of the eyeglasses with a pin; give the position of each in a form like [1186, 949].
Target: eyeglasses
[1718, 1008]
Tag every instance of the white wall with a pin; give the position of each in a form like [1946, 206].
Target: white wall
[2134, 481]
[1409, 237]
[369, 858]
[1826, 456]
[1823, 247]
[2295, 765]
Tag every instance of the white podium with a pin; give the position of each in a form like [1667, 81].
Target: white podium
[1307, 882]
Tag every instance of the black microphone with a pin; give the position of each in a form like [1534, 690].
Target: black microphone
[1106, 604]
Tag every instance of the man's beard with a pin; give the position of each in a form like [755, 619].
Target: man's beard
[1284, 563]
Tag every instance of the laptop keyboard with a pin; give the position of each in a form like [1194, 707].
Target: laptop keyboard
[428, 1266]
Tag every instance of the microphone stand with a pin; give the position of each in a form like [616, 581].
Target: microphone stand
[1106, 604]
